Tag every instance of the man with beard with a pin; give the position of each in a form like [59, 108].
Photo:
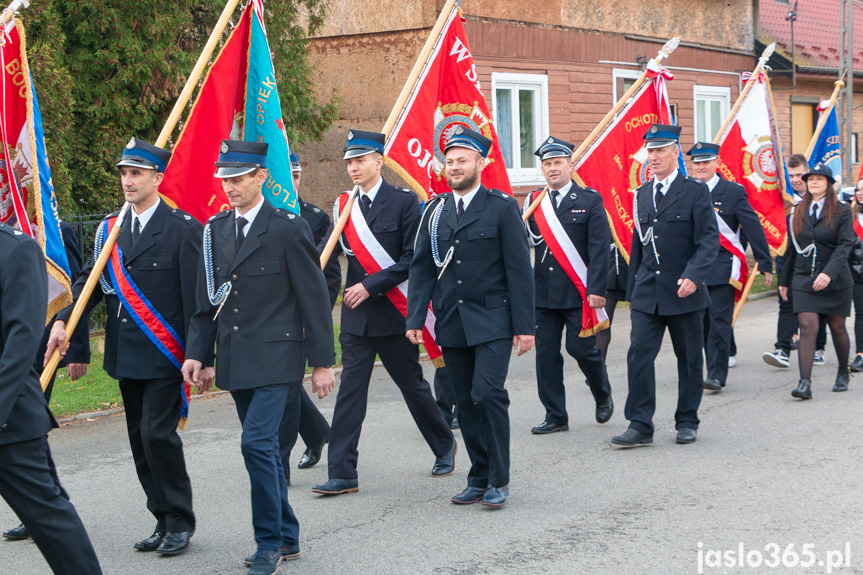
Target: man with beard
[474, 265]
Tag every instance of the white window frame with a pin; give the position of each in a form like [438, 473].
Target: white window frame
[519, 176]
[618, 73]
[709, 93]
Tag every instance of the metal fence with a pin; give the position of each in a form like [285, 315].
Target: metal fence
[85, 226]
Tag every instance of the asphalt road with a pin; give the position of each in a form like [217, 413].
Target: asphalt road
[767, 471]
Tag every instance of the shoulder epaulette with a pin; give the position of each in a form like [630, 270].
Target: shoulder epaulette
[114, 214]
[15, 233]
[403, 189]
[182, 216]
[222, 214]
[590, 190]
[500, 195]
[286, 214]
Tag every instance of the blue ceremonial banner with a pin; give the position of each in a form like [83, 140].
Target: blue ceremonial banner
[826, 150]
[263, 117]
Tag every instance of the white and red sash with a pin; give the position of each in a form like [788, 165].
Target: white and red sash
[563, 250]
[858, 225]
[730, 240]
[373, 257]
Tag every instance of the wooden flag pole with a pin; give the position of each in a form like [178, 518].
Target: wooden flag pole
[419, 65]
[839, 84]
[10, 11]
[534, 204]
[739, 307]
[749, 83]
[663, 53]
[99, 265]
[339, 228]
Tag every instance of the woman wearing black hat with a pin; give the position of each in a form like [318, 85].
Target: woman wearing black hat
[817, 271]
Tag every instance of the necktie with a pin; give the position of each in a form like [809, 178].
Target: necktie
[815, 212]
[460, 211]
[136, 230]
[555, 195]
[365, 205]
[241, 235]
[659, 196]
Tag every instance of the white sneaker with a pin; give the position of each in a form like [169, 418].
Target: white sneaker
[776, 358]
[819, 357]
[731, 361]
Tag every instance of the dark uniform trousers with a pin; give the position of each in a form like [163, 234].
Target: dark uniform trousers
[376, 327]
[687, 240]
[484, 298]
[28, 480]
[559, 303]
[730, 203]
[162, 263]
[275, 320]
[305, 418]
[445, 394]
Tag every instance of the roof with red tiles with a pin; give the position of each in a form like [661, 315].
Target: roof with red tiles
[816, 31]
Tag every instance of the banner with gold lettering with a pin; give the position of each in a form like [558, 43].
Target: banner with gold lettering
[27, 199]
[750, 155]
[238, 100]
[446, 95]
[616, 163]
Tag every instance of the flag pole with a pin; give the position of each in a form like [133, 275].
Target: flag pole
[107, 248]
[12, 10]
[839, 84]
[338, 228]
[762, 61]
[419, 65]
[739, 307]
[663, 53]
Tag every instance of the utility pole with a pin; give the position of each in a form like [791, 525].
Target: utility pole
[846, 110]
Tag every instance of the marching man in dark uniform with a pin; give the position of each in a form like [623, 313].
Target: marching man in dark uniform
[676, 241]
[149, 293]
[307, 418]
[472, 262]
[571, 236]
[732, 205]
[28, 480]
[379, 244]
[260, 264]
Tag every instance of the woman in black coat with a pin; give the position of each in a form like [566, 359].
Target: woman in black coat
[816, 270]
[855, 262]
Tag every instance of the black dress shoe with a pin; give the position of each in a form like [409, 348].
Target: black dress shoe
[604, 411]
[17, 533]
[289, 553]
[686, 435]
[495, 496]
[548, 427]
[445, 465]
[856, 366]
[265, 563]
[632, 438]
[337, 487]
[469, 495]
[842, 381]
[312, 455]
[803, 390]
[175, 543]
[712, 384]
[151, 543]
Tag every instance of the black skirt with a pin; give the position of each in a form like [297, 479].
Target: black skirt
[824, 303]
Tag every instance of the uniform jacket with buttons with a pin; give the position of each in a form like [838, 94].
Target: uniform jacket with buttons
[731, 203]
[393, 219]
[277, 303]
[855, 259]
[583, 218]
[163, 264]
[319, 221]
[24, 413]
[687, 241]
[833, 243]
[486, 292]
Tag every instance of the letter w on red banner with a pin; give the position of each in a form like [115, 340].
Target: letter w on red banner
[216, 115]
[373, 257]
[447, 94]
[616, 163]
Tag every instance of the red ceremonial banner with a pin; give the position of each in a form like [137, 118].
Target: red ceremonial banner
[216, 115]
[446, 95]
[616, 163]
